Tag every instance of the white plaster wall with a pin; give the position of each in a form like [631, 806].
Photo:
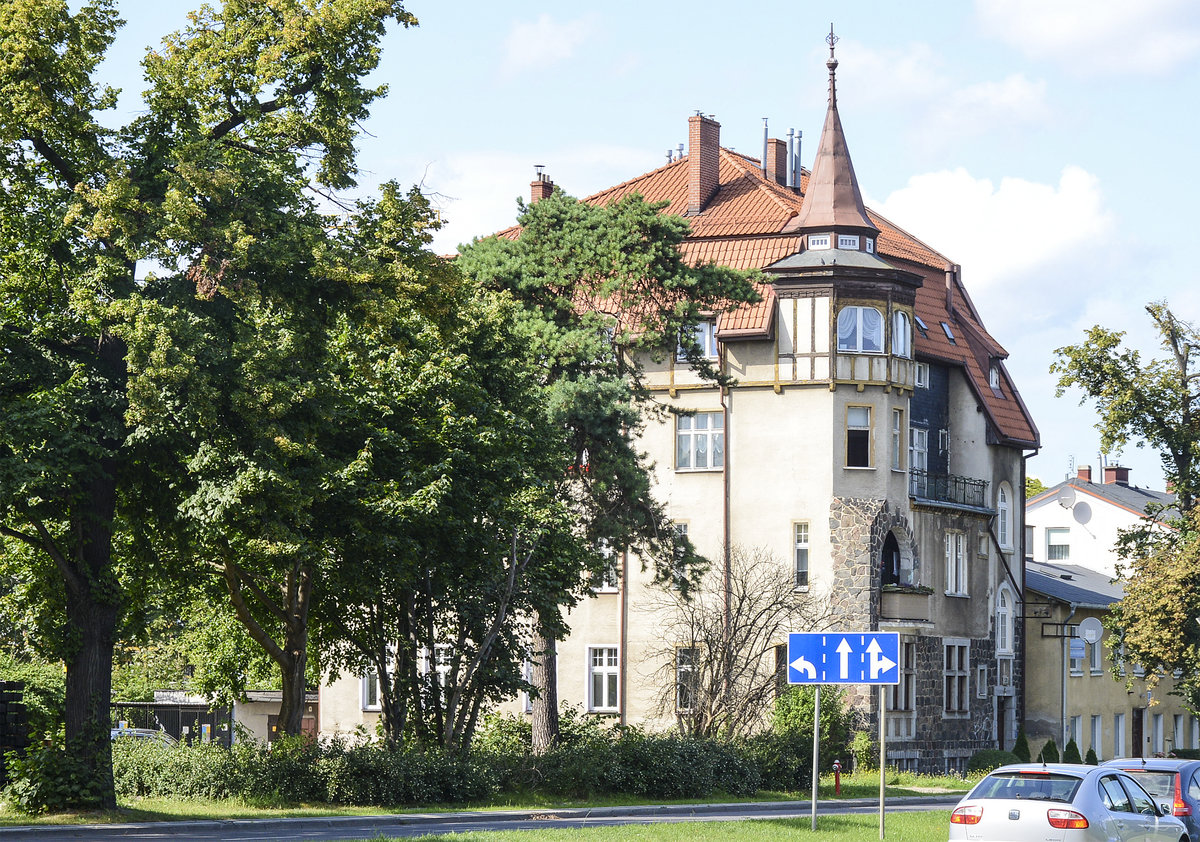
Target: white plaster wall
[1093, 523]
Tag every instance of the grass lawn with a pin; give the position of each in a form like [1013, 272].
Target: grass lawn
[865, 785]
[898, 827]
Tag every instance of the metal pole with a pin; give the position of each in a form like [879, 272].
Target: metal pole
[882, 755]
[816, 770]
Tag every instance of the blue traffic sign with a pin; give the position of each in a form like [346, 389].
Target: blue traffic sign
[844, 658]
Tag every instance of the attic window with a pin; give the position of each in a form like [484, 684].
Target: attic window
[994, 376]
[949, 333]
[870, 246]
[848, 241]
[818, 241]
[921, 326]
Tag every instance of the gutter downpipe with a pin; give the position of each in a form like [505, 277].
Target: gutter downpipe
[726, 398]
[1066, 645]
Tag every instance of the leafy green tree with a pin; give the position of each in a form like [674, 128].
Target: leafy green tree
[1033, 487]
[1153, 403]
[602, 290]
[250, 109]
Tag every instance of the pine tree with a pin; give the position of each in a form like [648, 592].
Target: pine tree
[1021, 746]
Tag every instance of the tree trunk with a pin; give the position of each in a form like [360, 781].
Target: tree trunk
[93, 606]
[545, 679]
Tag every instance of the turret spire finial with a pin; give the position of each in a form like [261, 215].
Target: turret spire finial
[832, 64]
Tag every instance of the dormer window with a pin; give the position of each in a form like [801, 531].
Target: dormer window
[994, 376]
[818, 241]
[848, 241]
[870, 246]
[860, 329]
[705, 338]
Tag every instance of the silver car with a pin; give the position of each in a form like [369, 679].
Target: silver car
[1062, 802]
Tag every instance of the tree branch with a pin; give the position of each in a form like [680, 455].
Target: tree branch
[254, 107]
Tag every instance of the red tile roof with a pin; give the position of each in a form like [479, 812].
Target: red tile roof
[749, 223]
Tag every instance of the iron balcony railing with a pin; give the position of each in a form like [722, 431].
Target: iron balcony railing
[947, 488]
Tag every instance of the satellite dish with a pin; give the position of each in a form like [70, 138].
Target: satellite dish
[1066, 497]
[1091, 630]
[1082, 513]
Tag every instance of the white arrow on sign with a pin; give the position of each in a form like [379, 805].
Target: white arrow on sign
[805, 666]
[844, 649]
[879, 663]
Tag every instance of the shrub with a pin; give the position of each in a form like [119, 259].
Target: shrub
[784, 760]
[793, 716]
[1071, 752]
[1049, 752]
[864, 751]
[1021, 747]
[1090, 758]
[50, 779]
[989, 759]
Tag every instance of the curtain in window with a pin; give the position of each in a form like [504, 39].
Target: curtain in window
[848, 329]
[872, 330]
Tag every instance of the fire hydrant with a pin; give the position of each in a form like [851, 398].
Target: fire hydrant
[837, 777]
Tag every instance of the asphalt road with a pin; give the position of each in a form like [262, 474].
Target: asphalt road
[418, 824]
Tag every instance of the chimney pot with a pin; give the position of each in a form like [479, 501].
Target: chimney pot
[541, 187]
[1115, 474]
[703, 161]
[1085, 473]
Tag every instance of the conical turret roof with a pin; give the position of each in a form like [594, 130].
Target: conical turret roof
[833, 200]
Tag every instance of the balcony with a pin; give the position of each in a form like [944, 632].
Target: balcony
[947, 489]
[898, 603]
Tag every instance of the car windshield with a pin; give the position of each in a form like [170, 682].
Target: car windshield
[1158, 784]
[1042, 786]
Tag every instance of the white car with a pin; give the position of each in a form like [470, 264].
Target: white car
[1062, 802]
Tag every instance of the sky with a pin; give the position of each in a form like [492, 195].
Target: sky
[1047, 146]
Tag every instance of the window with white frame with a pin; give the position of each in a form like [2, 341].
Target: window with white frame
[1195, 731]
[1096, 657]
[686, 664]
[443, 657]
[818, 241]
[901, 334]
[955, 672]
[1075, 730]
[860, 329]
[994, 376]
[800, 552]
[1004, 521]
[1118, 734]
[700, 441]
[847, 241]
[1178, 735]
[870, 246]
[1075, 648]
[609, 576]
[897, 439]
[1058, 544]
[704, 337]
[1004, 623]
[370, 690]
[902, 695]
[921, 375]
[918, 449]
[981, 680]
[1156, 733]
[956, 564]
[603, 676]
[858, 437]
[1098, 735]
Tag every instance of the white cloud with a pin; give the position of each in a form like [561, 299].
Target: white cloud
[1000, 233]
[544, 42]
[1098, 36]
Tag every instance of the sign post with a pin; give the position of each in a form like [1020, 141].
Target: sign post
[845, 658]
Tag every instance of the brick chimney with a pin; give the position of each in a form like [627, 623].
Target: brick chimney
[1116, 474]
[704, 161]
[777, 161]
[1085, 473]
[541, 187]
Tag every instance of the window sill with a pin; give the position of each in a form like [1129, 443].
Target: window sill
[958, 714]
[958, 595]
[899, 470]
[605, 590]
[715, 470]
[858, 467]
[800, 589]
